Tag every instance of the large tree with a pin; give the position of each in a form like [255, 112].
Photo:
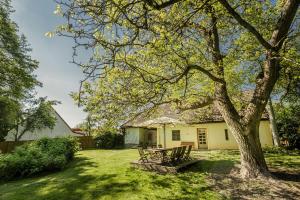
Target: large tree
[16, 65]
[191, 52]
[17, 79]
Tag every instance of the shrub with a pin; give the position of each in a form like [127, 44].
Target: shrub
[38, 156]
[280, 150]
[109, 140]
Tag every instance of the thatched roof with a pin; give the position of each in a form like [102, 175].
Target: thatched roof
[166, 113]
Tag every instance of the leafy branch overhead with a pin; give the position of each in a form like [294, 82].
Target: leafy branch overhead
[144, 53]
[174, 43]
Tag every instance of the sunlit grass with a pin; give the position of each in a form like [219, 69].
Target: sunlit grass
[106, 174]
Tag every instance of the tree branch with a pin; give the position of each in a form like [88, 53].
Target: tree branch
[284, 23]
[206, 72]
[200, 104]
[270, 74]
[157, 6]
[245, 24]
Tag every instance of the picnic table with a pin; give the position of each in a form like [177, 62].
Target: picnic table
[159, 153]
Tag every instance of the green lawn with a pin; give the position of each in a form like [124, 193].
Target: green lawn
[106, 174]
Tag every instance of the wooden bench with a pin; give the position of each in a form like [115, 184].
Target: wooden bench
[188, 143]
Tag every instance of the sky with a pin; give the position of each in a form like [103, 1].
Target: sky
[58, 75]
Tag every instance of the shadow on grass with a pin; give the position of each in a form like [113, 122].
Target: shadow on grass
[71, 183]
[212, 166]
[286, 176]
[221, 179]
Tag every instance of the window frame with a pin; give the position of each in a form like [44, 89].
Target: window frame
[226, 135]
[176, 137]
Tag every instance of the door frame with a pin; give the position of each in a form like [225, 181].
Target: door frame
[206, 146]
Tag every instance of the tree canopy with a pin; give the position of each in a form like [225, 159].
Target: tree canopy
[148, 56]
[16, 65]
[144, 53]
[17, 78]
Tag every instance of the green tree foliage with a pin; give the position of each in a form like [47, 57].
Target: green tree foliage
[288, 121]
[109, 140]
[36, 116]
[87, 125]
[185, 52]
[17, 80]
[9, 111]
[16, 65]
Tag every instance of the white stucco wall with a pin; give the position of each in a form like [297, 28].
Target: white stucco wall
[60, 129]
[215, 135]
[132, 135]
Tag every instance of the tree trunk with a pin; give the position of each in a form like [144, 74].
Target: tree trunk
[246, 134]
[16, 134]
[253, 163]
[273, 124]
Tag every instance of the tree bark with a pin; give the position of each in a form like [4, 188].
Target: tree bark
[253, 163]
[273, 124]
[245, 128]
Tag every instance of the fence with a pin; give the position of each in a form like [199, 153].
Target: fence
[9, 146]
[86, 142]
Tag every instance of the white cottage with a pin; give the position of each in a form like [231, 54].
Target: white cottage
[60, 129]
[169, 129]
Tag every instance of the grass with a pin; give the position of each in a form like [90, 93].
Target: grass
[106, 174]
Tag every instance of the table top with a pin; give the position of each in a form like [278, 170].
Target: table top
[159, 149]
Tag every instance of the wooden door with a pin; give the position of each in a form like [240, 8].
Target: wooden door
[202, 138]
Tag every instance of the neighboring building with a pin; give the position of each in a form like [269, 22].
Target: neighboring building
[209, 131]
[79, 132]
[60, 129]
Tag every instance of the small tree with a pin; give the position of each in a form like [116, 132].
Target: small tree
[87, 125]
[38, 116]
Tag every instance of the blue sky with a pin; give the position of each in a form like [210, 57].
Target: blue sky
[59, 77]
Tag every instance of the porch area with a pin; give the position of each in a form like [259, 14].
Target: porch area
[149, 138]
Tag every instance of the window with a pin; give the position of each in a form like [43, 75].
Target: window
[176, 135]
[226, 134]
[150, 136]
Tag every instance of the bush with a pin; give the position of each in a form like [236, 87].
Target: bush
[38, 156]
[109, 140]
[280, 150]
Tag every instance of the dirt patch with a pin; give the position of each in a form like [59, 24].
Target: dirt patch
[285, 185]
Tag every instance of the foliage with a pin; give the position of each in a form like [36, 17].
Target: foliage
[17, 79]
[288, 119]
[67, 146]
[172, 45]
[87, 125]
[185, 52]
[280, 150]
[37, 115]
[9, 110]
[38, 156]
[109, 140]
